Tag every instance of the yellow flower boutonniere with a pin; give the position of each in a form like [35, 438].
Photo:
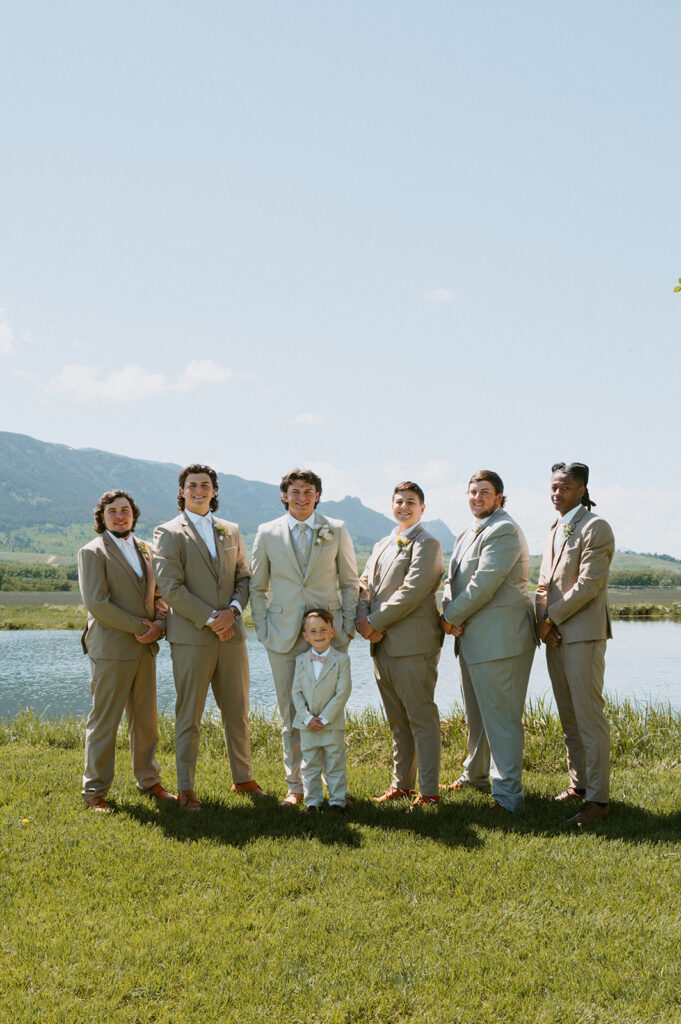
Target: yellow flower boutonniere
[144, 549]
[223, 532]
[568, 530]
[403, 542]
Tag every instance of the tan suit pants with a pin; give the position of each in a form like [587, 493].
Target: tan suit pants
[119, 686]
[407, 688]
[577, 672]
[223, 667]
[324, 755]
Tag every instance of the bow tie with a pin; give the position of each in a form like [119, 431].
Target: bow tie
[317, 657]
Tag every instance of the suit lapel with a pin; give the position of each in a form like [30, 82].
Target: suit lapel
[116, 553]
[315, 548]
[288, 542]
[192, 534]
[573, 523]
[330, 659]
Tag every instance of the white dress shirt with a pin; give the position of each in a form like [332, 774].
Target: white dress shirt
[127, 547]
[559, 532]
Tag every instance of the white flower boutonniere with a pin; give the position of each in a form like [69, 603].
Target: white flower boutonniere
[144, 549]
[223, 532]
[323, 533]
[403, 542]
[568, 530]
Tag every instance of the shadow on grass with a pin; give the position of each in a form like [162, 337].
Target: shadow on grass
[237, 822]
[543, 816]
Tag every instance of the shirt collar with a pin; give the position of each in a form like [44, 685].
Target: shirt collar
[569, 516]
[293, 523]
[196, 519]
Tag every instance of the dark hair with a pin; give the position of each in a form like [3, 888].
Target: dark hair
[307, 476]
[579, 472]
[196, 467]
[322, 613]
[107, 499]
[491, 477]
[409, 485]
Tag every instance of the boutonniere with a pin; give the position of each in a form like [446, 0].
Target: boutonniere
[323, 533]
[223, 532]
[403, 542]
[144, 549]
[568, 530]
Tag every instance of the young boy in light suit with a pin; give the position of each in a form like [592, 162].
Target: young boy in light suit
[321, 688]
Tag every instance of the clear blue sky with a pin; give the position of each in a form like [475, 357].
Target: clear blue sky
[382, 239]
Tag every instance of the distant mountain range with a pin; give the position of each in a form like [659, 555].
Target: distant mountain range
[48, 491]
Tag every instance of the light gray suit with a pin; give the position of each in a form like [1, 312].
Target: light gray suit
[486, 591]
[323, 750]
[282, 590]
[573, 591]
[194, 585]
[123, 671]
[397, 593]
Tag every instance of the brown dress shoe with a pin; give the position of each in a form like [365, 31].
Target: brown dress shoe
[497, 808]
[291, 800]
[161, 793]
[393, 793]
[337, 809]
[247, 787]
[420, 801]
[186, 798]
[590, 813]
[570, 794]
[98, 803]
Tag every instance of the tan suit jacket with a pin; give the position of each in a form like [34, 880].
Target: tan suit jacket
[326, 696]
[487, 590]
[573, 587]
[281, 592]
[399, 598]
[117, 600]
[193, 584]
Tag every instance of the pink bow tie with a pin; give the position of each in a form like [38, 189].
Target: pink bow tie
[317, 657]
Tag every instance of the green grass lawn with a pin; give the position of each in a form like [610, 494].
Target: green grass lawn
[248, 913]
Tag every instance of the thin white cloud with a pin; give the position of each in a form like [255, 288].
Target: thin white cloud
[203, 371]
[440, 295]
[6, 336]
[132, 383]
[309, 419]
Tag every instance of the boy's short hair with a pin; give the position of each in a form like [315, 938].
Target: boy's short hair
[322, 613]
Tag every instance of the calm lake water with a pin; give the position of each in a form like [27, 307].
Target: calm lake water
[46, 670]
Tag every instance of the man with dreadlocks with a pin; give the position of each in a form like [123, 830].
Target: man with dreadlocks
[573, 620]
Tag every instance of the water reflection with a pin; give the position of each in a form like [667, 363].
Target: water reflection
[47, 671]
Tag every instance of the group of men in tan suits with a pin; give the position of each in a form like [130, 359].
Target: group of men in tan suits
[305, 560]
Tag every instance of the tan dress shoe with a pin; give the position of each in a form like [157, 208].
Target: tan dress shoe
[590, 813]
[570, 794]
[186, 798]
[393, 793]
[421, 801]
[247, 787]
[291, 799]
[98, 803]
[161, 794]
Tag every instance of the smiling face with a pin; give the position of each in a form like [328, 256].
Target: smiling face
[118, 517]
[198, 492]
[483, 499]
[317, 633]
[566, 493]
[407, 509]
[301, 497]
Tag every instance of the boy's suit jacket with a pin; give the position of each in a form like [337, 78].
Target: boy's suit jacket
[325, 696]
[487, 590]
[117, 600]
[399, 596]
[331, 568]
[193, 584]
[573, 587]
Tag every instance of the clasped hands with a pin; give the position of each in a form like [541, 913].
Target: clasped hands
[450, 629]
[548, 633]
[365, 629]
[152, 633]
[222, 624]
